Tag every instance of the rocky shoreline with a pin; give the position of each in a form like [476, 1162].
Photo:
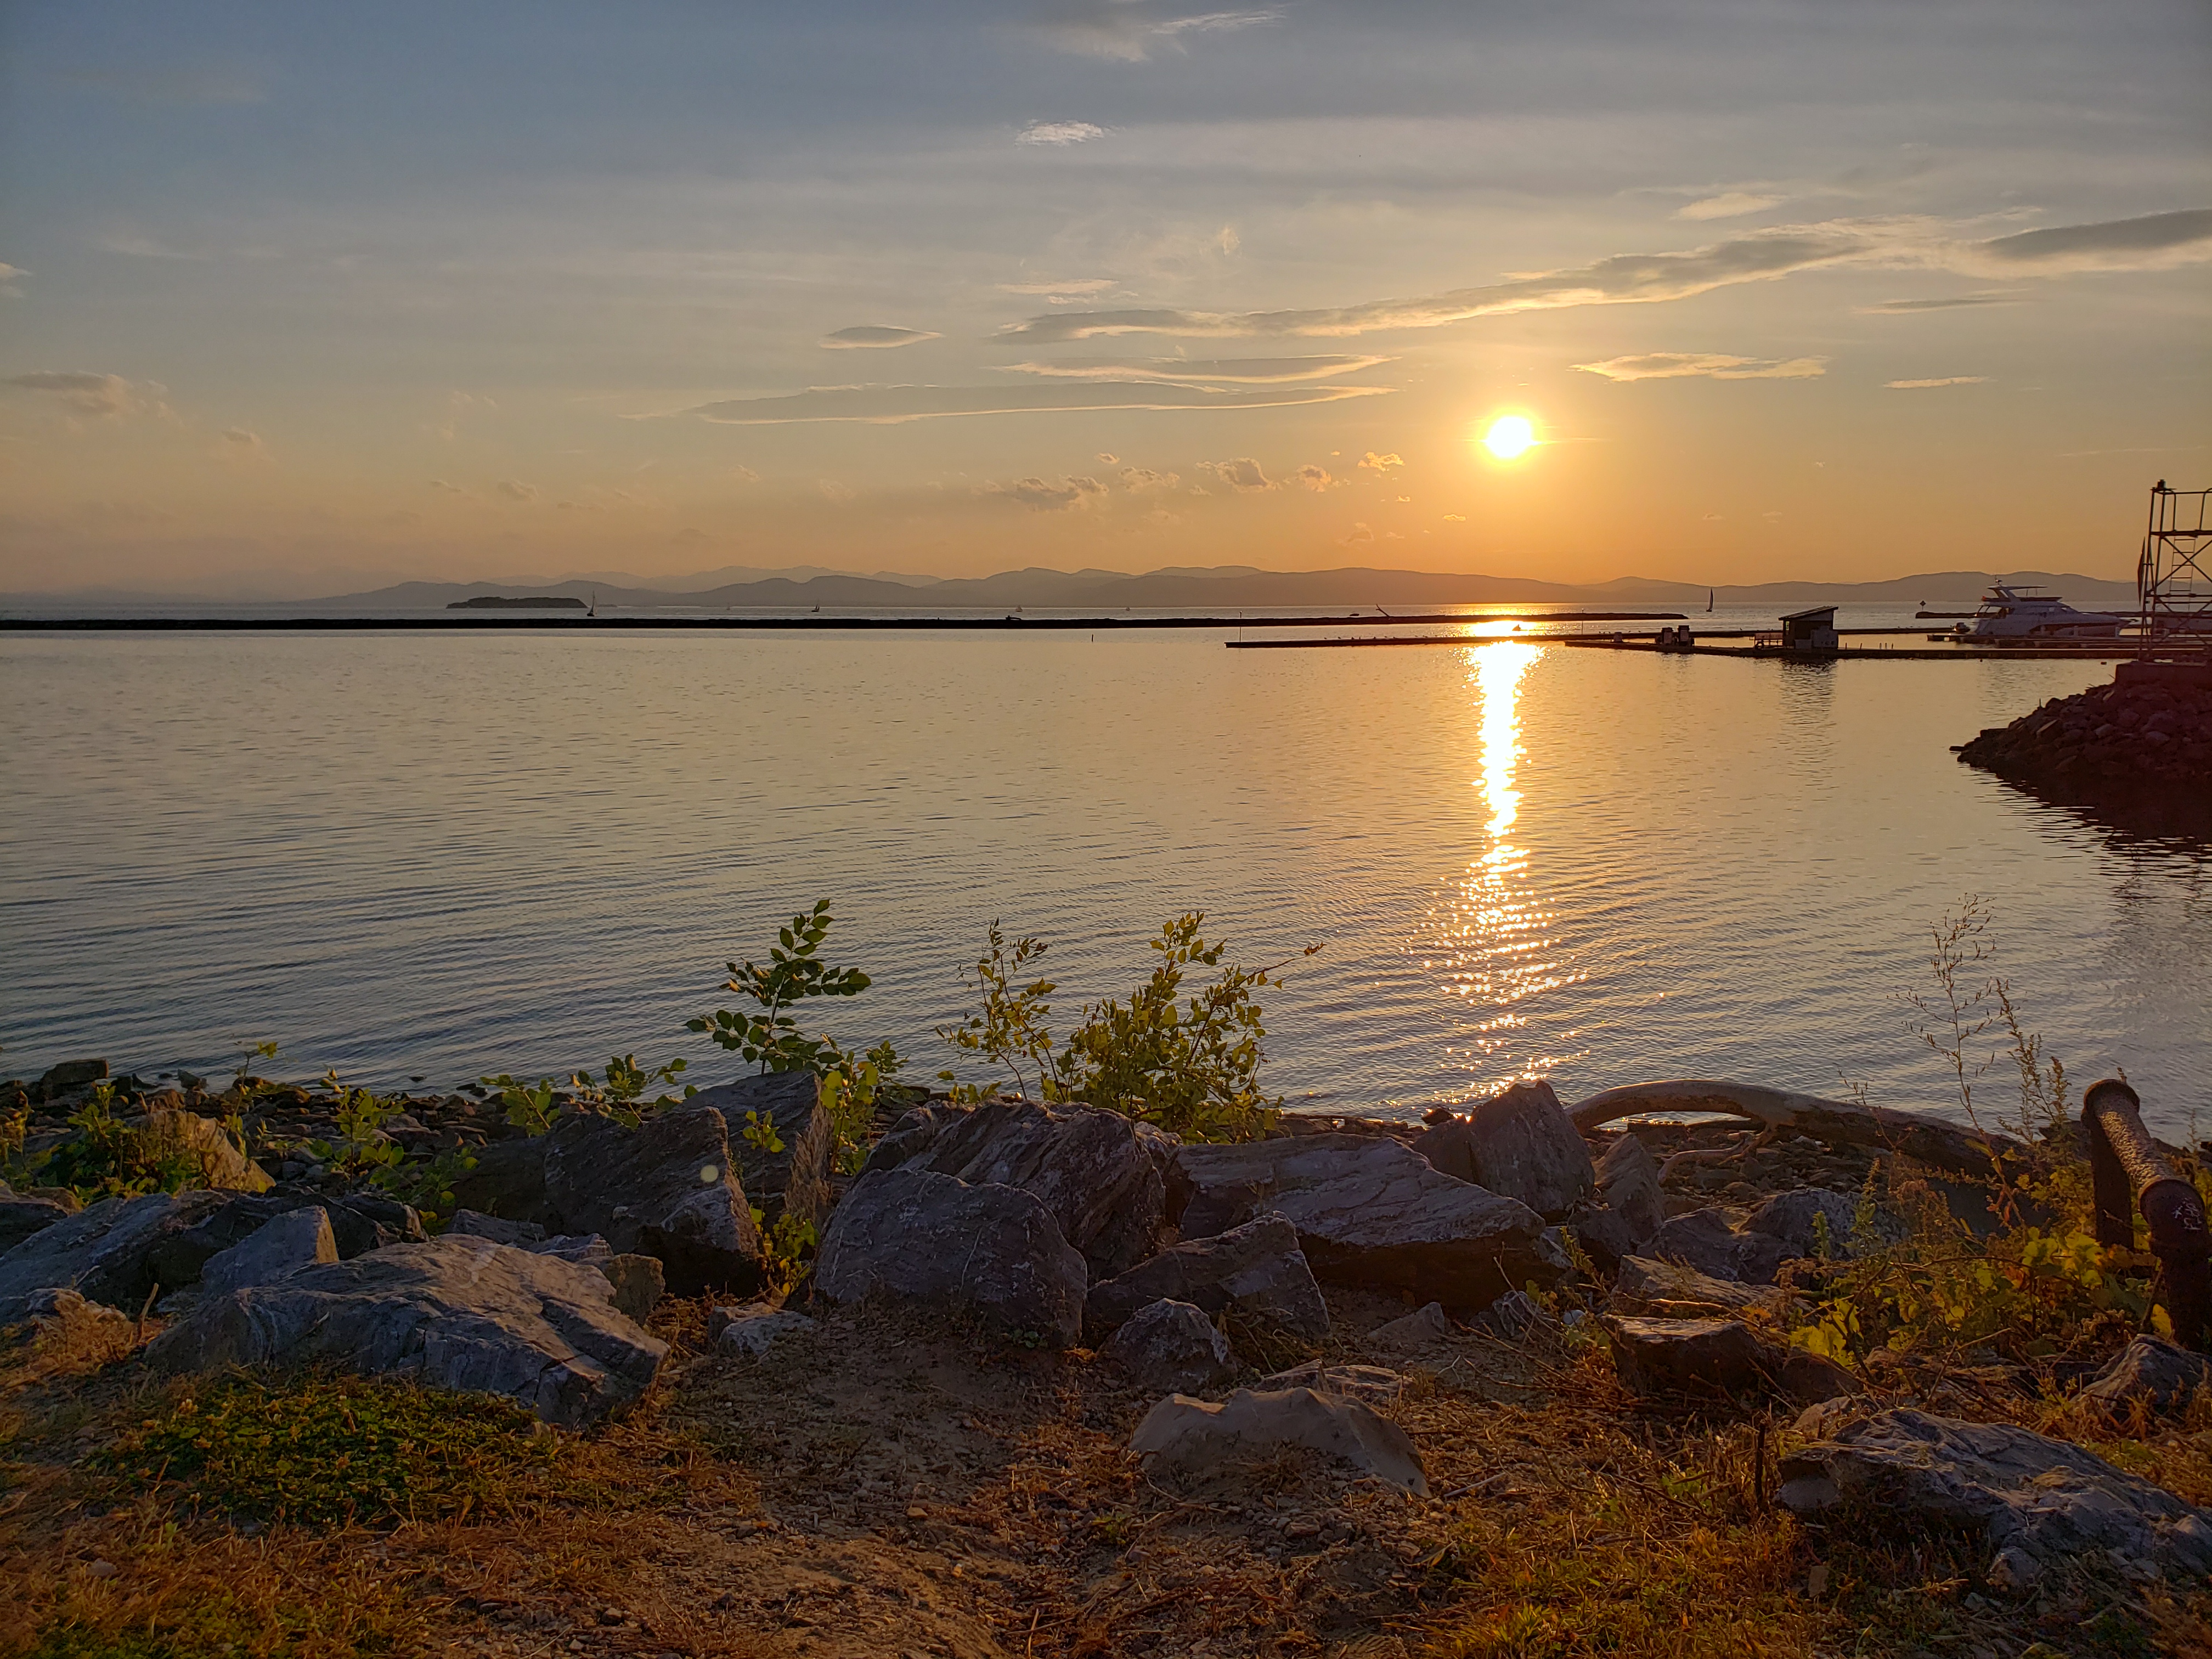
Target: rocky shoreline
[2149, 729]
[1042, 1380]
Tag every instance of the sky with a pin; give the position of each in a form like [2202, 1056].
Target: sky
[300, 299]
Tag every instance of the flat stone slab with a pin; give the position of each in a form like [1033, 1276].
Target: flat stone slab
[462, 1313]
[1258, 1269]
[282, 1244]
[1704, 1240]
[105, 1252]
[2036, 1500]
[753, 1329]
[1197, 1439]
[1677, 1291]
[1424, 1327]
[1373, 1212]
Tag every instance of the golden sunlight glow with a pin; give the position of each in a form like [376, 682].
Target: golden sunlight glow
[1493, 935]
[1509, 437]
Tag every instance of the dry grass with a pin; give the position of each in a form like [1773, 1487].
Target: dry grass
[887, 1485]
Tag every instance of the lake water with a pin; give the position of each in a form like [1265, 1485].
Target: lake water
[445, 854]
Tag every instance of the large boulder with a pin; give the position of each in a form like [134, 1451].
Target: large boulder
[2036, 1500]
[1257, 1269]
[507, 1181]
[283, 1244]
[462, 1313]
[23, 1214]
[1087, 1166]
[1704, 1240]
[1197, 1439]
[1521, 1145]
[2156, 1372]
[105, 1252]
[789, 1175]
[1628, 1185]
[991, 1250]
[1373, 1212]
[666, 1188]
[202, 1145]
[1170, 1345]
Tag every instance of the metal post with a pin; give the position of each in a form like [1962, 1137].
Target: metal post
[2128, 1174]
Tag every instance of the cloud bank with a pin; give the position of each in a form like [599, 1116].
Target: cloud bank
[2153, 242]
[1127, 31]
[109, 396]
[1059, 133]
[1704, 365]
[889, 405]
[1043, 497]
[1233, 371]
[1927, 385]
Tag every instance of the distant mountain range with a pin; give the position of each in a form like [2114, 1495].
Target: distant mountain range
[1225, 588]
[1244, 588]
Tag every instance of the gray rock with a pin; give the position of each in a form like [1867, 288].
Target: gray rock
[1373, 1212]
[1703, 1239]
[1789, 1217]
[1605, 1239]
[1197, 1439]
[507, 1181]
[1514, 1314]
[462, 1313]
[994, 1249]
[283, 1244]
[1674, 1290]
[1520, 1144]
[1425, 1327]
[104, 1252]
[58, 1081]
[1170, 1345]
[752, 1329]
[359, 1223]
[22, 1214]
[585, 1249]
[2046, 1498]
[475, 1224]
[2163, 1377]
[639, 1282]
[202, 1145]
[794, 1181]
[1706, 1358]
[1628, 1185]
[1256, 1268]
[1088, 1167]
[1373, 1384]
[666, 1188]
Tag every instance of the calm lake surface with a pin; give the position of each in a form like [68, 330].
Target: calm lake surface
[402, 853]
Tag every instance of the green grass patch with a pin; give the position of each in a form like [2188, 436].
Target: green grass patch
[326, 1451]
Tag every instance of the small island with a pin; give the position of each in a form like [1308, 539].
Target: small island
[500, 602]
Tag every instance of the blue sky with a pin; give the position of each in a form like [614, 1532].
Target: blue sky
[305, 298]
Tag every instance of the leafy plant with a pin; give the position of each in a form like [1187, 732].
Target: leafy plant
[784, 1248]
[768, 1033]
[366, 1153]
[618, 1092]
[1191, 1066]
[529, 1107]
[107, 1158]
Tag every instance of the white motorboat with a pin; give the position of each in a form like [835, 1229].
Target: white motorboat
[2010, 612]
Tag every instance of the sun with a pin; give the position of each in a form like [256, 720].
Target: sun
[1509, 437]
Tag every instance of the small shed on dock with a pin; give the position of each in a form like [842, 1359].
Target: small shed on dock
[1810, 630]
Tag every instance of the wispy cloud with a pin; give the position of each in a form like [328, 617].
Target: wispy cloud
[9, 275]
[1129, 30]
[237, 444]
[1929, 385]
[1728, 204]
[889, 405]
[1233, 371]
[1078, 286]
[516, 491]
[1045, 497]
[2153, 242]
[876, 337]
[1989, 296]
[1139, 479]
[1704, 365]
[1055, 134]
[109, 396]
[1314, 477]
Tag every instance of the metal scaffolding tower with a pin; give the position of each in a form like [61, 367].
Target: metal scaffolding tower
[2174, 578]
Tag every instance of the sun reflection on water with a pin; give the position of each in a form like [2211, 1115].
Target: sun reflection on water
[1497, 946]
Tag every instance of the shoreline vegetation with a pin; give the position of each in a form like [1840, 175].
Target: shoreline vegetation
[1088, 1347]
